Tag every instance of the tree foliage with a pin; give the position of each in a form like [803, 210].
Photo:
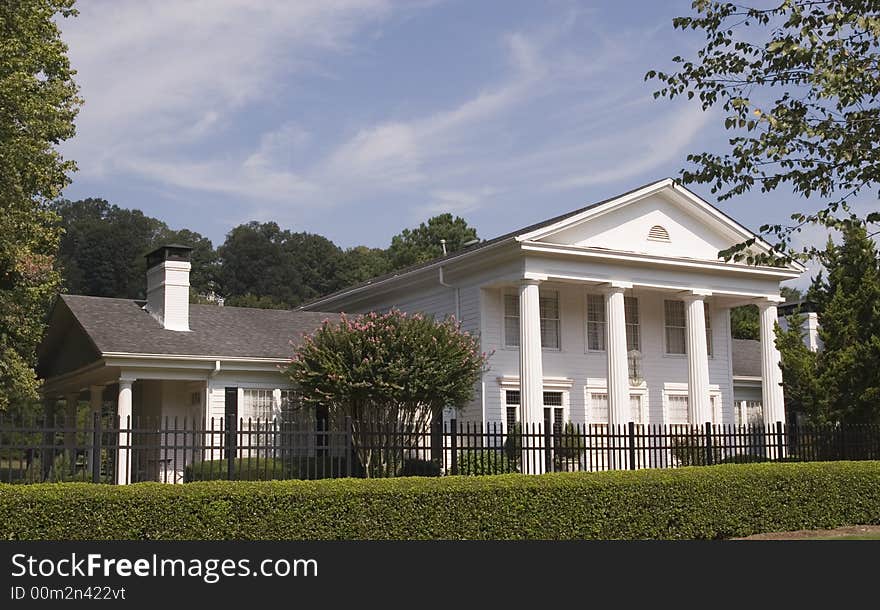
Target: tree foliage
[38, 104]
[103, 246]
[276, 265]
[745, 322]
[839, 383]
[798, 83]
[392, 370]
[413, 246]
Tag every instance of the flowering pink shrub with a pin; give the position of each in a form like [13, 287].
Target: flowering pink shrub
[388, 366]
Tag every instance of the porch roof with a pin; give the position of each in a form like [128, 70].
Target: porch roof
[122, 326]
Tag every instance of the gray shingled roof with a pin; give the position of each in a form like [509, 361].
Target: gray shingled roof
[746, 358]
[121, 325]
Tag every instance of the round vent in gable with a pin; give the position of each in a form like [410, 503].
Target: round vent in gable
[658, 233]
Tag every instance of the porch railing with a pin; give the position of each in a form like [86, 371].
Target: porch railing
[106, 450]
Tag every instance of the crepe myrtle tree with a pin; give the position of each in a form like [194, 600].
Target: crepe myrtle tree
[391, 374]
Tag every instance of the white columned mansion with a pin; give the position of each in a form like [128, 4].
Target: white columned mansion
[616, 312]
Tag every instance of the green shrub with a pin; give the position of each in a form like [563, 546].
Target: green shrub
[413, 467]
[321, 467]
[744, 458]
[706, 502]
[244, 469]
[485, 461]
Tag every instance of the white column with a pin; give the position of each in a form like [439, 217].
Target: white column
[96, 397]
[531, 373]
[123, 411]
[771, 374]
[699, 406]
[619, 412]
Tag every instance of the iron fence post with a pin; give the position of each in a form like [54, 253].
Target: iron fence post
[780, 440]
[349, 445]
[96, 448]
[453, 443]
[708, 433]
[231, 442]
[632, 445]
[548, 448]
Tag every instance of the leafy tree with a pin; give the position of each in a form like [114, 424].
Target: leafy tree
[38, 103]
[257, 302]
[253, 262]
[745, 322]
[391, 373]
[262, 260]
[102, 250]
[799, 83]
[840, 383]
[205, 264]
[413, 246]
[362, 263]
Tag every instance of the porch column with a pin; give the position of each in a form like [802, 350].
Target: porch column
[619, 412]
[531, 374]
[771, 374]
[71, 400]
[123, 412]
[96, 400]
[699, 407]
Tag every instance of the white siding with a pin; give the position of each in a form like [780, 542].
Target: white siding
[574, 362]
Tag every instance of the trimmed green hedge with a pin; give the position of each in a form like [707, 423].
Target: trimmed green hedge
[245, 469]
[700, 502]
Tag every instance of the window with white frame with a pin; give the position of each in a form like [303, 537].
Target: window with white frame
[548, 304]
[554, 408]
[595, 322]
[511, 402]
[674, 324]
[633, 333]
[708, 318]
[599, 407]
[511, 319]
[554, 412]
[635, 408]
[257, 405]
[677, 409]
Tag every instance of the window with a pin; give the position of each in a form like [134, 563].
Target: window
[511, 400]
[553, 411]
[635, 407]
[257, 405]
[595, 322]
[631, 312]
[675, 327]
[708, 330]
[677, 412]
[598, 408]
[548, 304]
[511, 320]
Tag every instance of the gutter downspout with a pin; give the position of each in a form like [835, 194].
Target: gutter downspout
[211, 375]
[442, 281]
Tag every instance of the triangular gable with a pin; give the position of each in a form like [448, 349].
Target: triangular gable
[662, 219]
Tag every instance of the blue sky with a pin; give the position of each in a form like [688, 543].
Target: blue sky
[357, 118]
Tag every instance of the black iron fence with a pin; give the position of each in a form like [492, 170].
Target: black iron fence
[106, 450]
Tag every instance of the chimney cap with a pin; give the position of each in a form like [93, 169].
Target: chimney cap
[168, 252]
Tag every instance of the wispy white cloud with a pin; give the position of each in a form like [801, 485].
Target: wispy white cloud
[175, 94]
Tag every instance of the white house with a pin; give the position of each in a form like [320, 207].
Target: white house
[613, 313]
[616, 312]
[166, 360]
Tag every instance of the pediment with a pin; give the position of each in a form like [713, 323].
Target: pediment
[662, 221]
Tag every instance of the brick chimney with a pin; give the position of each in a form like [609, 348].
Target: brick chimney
[168, 286]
